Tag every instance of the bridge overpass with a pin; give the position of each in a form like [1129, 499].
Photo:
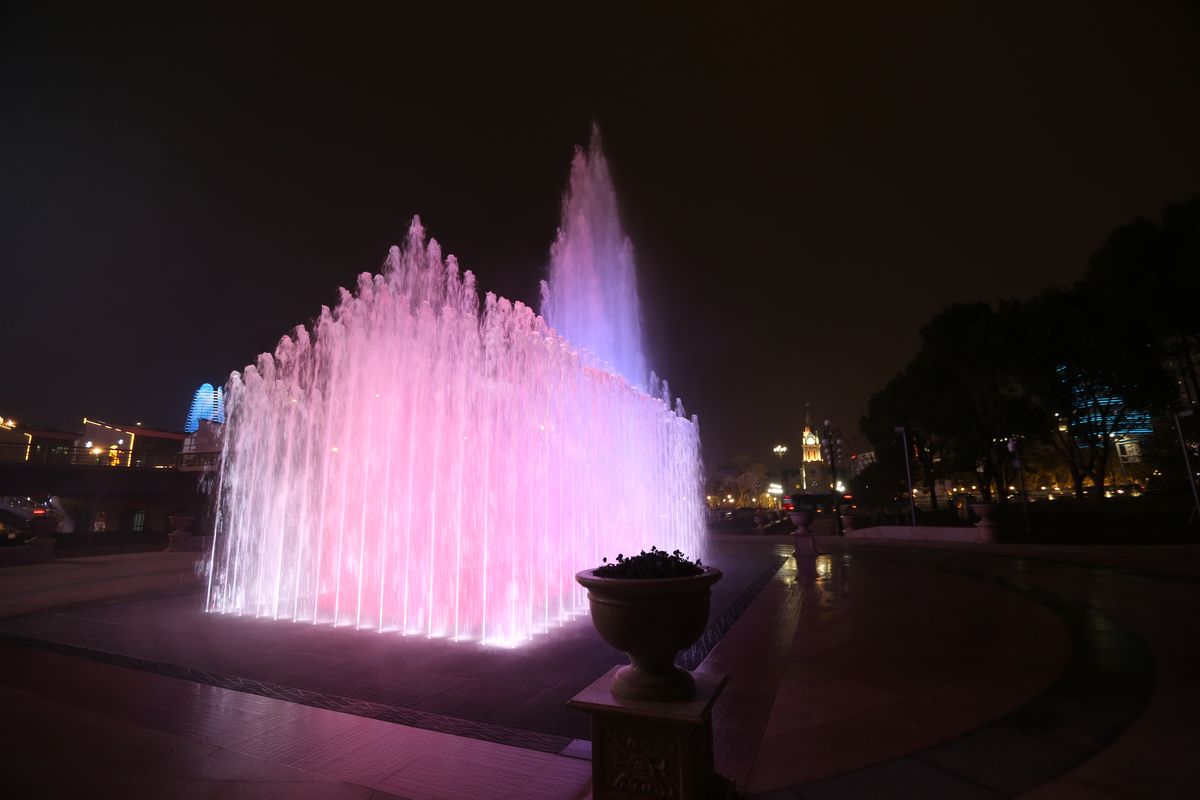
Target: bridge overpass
[24, 479]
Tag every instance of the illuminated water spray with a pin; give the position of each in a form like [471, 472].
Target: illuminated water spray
[426, 463]
[591, 295]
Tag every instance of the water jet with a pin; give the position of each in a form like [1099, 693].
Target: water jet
[423, 462]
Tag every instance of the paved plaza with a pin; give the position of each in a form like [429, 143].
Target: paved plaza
[866, 670]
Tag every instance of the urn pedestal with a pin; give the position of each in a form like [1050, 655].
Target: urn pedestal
[650, 749]
[803, 536]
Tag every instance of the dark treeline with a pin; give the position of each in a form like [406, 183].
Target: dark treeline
[1067, 374]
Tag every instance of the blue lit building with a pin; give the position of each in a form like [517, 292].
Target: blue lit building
[208, 403]
[1095, 410]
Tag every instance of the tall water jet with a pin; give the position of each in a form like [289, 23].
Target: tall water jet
[590, 296]
[424, 463]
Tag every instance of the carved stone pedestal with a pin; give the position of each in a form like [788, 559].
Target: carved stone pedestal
[645, 749]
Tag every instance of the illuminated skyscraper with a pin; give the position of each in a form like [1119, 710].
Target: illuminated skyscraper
[208, 403]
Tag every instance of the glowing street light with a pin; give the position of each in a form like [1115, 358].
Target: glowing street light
[779, 450]
[912, 506]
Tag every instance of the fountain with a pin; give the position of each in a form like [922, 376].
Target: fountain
[423, 463]
[591, 296]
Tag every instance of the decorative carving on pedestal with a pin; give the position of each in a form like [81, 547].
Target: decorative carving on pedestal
[640, 765]
[651, 749]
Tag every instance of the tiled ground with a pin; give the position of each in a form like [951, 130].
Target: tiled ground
[876, 671]
[515, 696]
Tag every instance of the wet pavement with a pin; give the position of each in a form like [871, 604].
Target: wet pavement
[511, 696]
[869, 670]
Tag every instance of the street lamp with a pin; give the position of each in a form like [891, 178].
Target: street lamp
[1016, 454]
[912, 506]
[779, 450]
[833, 449]
[1187, 462]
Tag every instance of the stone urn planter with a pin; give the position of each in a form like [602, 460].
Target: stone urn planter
[650, 619]
[801, 519]
[177, 538]
[987, 523]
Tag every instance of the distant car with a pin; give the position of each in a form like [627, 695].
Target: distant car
[822, 503]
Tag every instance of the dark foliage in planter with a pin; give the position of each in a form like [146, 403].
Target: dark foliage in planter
[653, 564]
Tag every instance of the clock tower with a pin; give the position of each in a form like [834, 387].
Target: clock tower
[811, 445]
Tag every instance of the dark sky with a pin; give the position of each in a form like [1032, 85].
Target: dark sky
[805, 184]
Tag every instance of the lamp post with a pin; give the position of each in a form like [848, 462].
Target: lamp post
[1187, 462]
[833, 448]
[780, 450]
[912, 506]
[1016, 454]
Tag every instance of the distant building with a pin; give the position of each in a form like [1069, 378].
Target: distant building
[1099, 411]
[202, 449]
[860, 461]
[208, 403]
[13, 443]
[127, 445]
[22, 442]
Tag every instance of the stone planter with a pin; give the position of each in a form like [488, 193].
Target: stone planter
[984, 511]
[177, 538]
[650, 619]
[986, 524]
[801, 519]
[802, 537]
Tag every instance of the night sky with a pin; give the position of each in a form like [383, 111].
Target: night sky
[804, 185]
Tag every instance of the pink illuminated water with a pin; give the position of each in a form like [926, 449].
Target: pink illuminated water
[591, 294]
[426, 463]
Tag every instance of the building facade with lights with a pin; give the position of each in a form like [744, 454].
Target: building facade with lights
[117, 445]
[207, 404]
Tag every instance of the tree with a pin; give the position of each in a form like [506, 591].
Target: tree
[1089, 375]
[749, 482]
[958, 396]
[1150, 273]
[878, 485]
[902, 403]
